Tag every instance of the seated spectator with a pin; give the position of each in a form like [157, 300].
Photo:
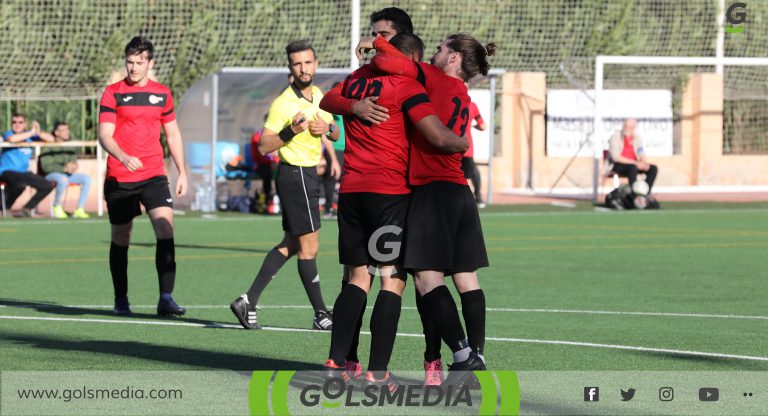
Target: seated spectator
[628, 156]
[266, 165]
[14, 165]
[59, 165]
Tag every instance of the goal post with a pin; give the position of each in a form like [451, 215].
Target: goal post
[599, 139]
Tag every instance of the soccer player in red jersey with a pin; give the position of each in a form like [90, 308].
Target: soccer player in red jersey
[442, 203]
[468, 165]
[131, 114]
[386, 22]
[373, 202]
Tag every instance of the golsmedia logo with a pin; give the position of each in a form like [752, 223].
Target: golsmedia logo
[393, 248]
[736, 15]
[408, 396]
[306, 393]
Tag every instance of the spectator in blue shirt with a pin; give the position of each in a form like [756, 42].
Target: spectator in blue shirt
[14, 164]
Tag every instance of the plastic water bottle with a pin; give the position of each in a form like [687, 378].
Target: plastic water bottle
[195, 205]
[205, 198]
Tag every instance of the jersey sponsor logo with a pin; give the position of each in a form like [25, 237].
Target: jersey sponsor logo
[140, 99]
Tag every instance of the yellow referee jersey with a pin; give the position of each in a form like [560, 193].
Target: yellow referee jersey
[304, 149]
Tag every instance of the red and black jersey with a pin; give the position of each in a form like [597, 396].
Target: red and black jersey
[376, 155]
[138, 113]
[451, 100]
[474, 115]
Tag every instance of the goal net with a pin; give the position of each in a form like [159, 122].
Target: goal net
[649, 89]
[68, 48]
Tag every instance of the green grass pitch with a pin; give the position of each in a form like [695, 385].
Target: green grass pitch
[683, 288]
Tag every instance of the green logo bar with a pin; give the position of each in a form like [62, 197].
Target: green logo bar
[270, 393]
[258, 392]
[509, 387]
[280, 392]
[488, 390]
[734, 29]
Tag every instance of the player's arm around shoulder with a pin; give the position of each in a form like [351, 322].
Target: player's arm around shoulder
[176, 147]
[418, 108]
[440, 136]
[334, 101]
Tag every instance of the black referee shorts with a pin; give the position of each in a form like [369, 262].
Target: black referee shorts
[371, 228]
[123, 198]
[299, 191]
[444, 231]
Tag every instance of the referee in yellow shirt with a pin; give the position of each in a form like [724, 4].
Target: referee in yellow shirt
[295, 128]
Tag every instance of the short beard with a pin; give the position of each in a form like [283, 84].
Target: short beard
[301, 84]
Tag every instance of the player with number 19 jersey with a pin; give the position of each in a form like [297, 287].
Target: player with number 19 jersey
[451, 100]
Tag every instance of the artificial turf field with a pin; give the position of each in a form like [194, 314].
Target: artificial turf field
[683, 288]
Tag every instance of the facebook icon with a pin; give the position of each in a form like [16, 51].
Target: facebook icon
[591, 394]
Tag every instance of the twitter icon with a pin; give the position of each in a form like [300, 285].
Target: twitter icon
[627, 395]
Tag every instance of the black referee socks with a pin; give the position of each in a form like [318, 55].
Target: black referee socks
[431, 333]
[384, 319]
[346, 311]
[118, 266]
[165, 263]
[272, 264]
[440, 304]
[473, 310]
[311, 281]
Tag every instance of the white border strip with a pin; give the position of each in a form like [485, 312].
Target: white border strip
[514, 340]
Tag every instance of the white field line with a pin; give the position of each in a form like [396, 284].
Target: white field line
[257, 218]
[497, 339]
[510, 310]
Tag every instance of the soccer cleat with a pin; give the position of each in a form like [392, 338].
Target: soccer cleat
[80, 213]
[433, 373]
[481, 205]
[244, 312]
[323, 321]
[389, 381]
[58, 212]
[461, 373]
[333, 370]
[122, 307]
[167, 307]
[353, 369]
[24, 213]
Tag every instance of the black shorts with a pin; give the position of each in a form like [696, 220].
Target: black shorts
[123, 198]
[444, 231]
[299, 191]
[378, 220]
